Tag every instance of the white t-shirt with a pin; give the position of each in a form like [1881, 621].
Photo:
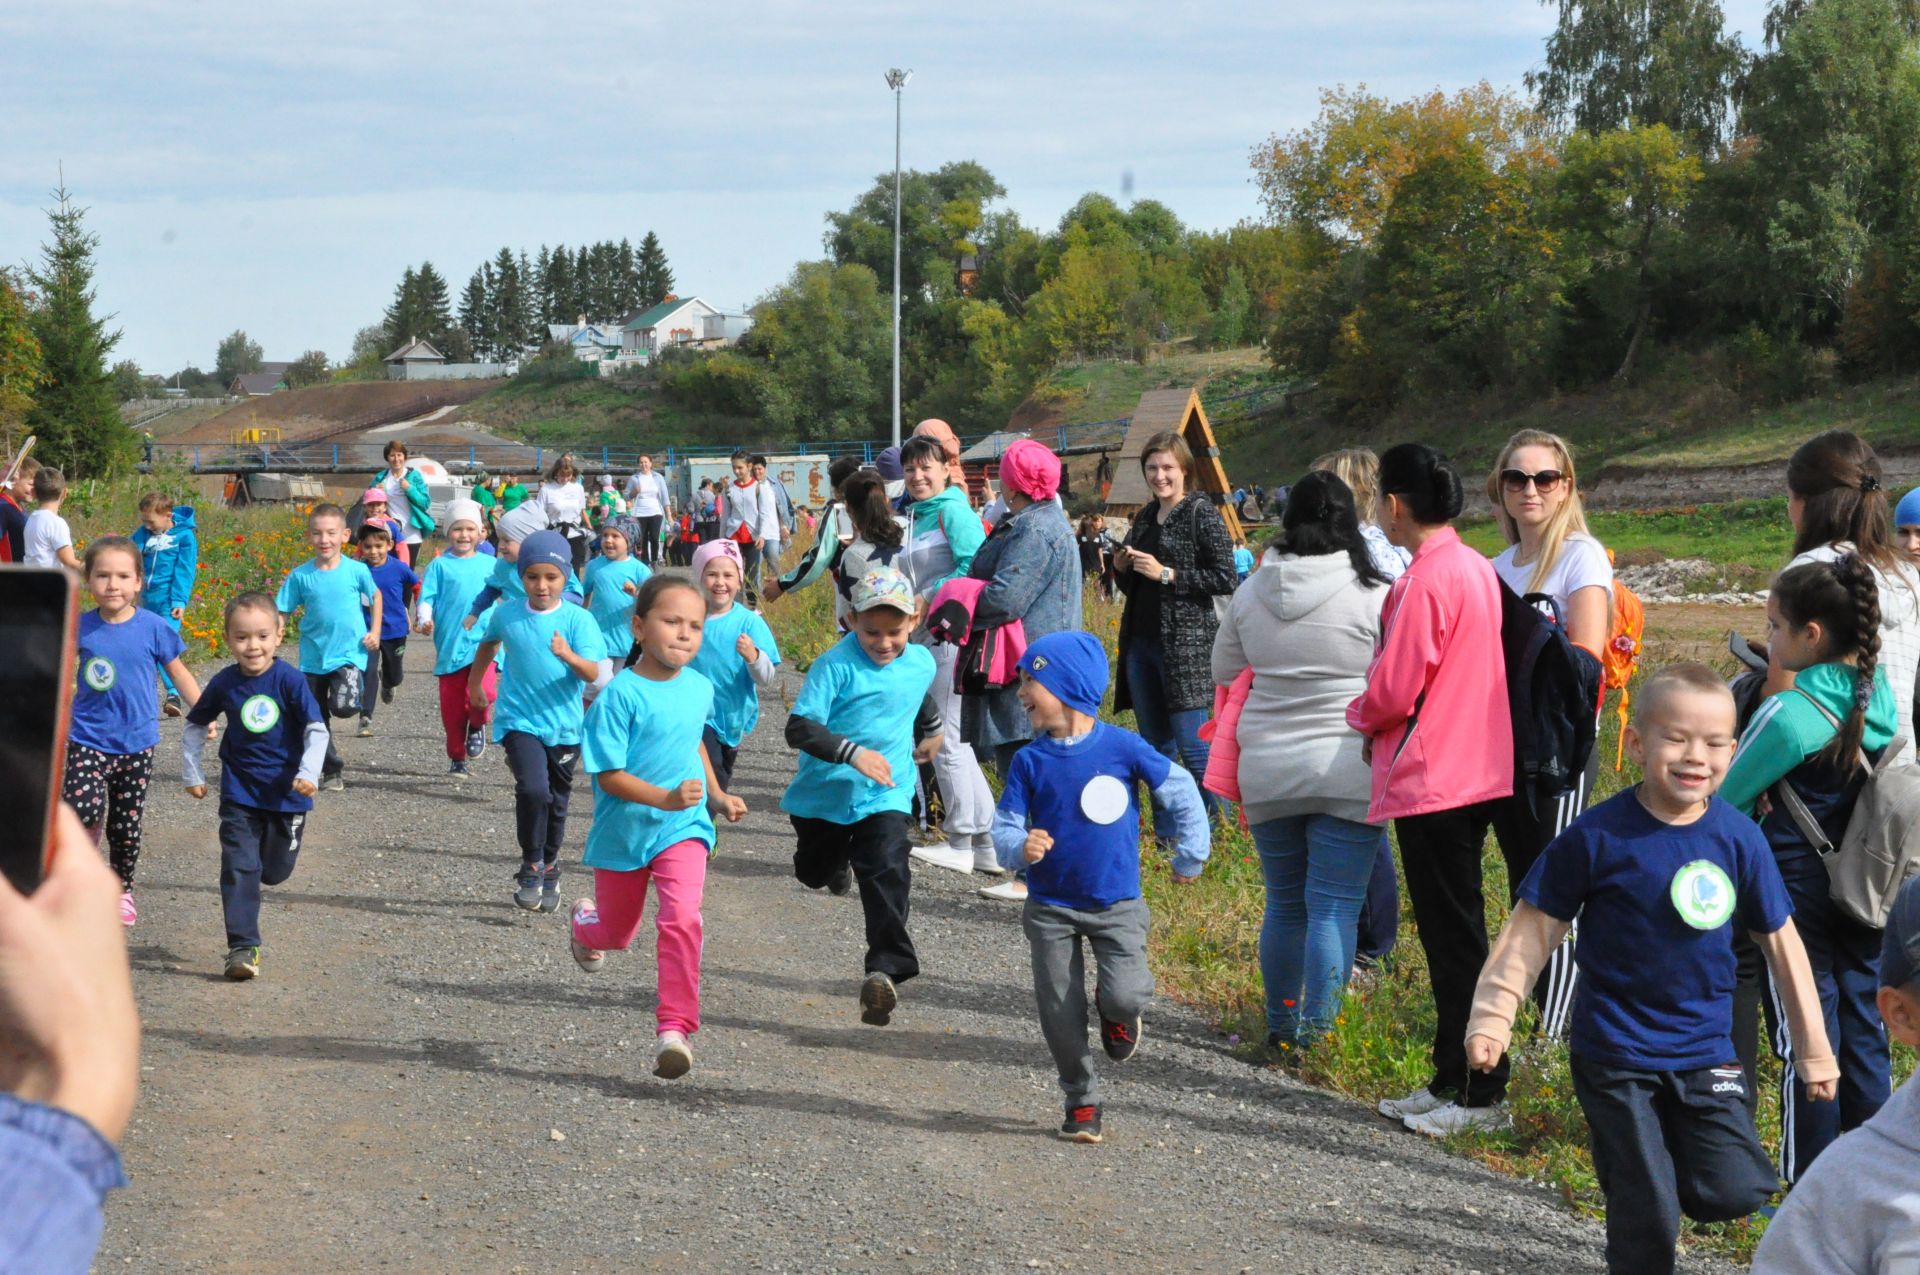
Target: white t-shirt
[648, 492]
[1899, 631]
[398, 505]
[563, 502]
[1582, 565]
[45, 536]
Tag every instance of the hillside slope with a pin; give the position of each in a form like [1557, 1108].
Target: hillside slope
[322, 410]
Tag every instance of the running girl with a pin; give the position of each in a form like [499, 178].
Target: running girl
[613, 581]
[454, 579]
[738, 655]
[116, 706]
[653, 788]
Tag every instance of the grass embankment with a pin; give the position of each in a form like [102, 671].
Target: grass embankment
[611, 413]
[1748, 540]
[1105, 389]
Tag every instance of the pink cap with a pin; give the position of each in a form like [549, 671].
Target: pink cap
[372, 494]
[1031, 469]
[716, 549]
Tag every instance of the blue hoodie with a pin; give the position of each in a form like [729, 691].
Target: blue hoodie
[169, 562]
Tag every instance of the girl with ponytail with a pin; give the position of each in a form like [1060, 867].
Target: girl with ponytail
[1824, 625]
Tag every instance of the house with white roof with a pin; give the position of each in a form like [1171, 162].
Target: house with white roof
[590, 342]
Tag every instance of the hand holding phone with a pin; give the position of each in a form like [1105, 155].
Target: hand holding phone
[38, 614]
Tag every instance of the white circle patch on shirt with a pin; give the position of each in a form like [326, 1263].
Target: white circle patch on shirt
[1104, 799]
[261, 713]
[1702, 895]
[100, 673]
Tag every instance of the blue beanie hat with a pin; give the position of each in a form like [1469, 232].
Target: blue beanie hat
[887, 465]
[545, 548]
[1072, 665]
[1907, 512]
[1900, 948]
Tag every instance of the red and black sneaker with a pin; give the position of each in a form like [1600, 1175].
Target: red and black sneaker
[1081, 1125]
[1120, 1039]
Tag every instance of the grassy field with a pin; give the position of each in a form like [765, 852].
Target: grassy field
[1749, 540]
[1106, 389]
[600, 413]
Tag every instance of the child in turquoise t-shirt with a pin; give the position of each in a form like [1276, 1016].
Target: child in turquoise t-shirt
[551, 648]
[737, 654]
[335, 633]
[613, 581]
[653, 789]
[454, 579]
[862, 723]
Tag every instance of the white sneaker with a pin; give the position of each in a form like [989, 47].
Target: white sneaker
[584, 913]
[1417, 1103]
[672, 1059]
[1454, 1118]
[1014, 891]
[987, 862]
[944, 855]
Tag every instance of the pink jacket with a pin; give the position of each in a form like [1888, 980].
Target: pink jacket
[991, 654]
[1222, 734]
[1435, 707]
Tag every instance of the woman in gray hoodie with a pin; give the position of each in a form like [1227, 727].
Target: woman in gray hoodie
[1306, 622]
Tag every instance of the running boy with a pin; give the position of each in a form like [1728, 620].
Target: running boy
[738, 655]
[1658, 874]
[335, 633]
[551, 648]
[453, 580]
[396, 582]
[271, 752]
[1070, 815]
[49, 541]
[613, 581]
[863, 718]
[170, 564]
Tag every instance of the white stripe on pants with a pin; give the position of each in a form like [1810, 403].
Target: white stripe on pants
[966, 798]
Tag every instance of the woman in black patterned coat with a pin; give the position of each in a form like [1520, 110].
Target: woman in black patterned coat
[1176, 560]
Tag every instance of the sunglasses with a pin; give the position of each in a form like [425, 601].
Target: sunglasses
[1543, 482]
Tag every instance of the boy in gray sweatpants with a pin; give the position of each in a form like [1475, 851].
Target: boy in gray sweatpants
[1070, 814]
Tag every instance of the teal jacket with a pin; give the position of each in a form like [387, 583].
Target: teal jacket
[169, 563]
[419, 500]
[946, 534]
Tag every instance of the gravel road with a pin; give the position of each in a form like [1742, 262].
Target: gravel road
[422, 1080]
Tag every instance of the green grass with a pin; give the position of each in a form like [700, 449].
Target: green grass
[1105, 389]
[601, 412]
[1748, 539]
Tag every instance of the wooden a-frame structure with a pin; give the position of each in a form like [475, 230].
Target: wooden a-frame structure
[1177, 410]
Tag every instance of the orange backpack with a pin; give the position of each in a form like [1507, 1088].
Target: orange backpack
[1622, 655]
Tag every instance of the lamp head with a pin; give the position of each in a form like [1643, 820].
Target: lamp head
[897, 79]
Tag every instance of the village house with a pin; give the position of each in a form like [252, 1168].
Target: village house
[687, 322]
[271, 378]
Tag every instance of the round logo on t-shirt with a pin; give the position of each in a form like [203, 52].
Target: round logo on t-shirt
[261, 713]
[1702, 895]
[99, 673]
[1104, 799]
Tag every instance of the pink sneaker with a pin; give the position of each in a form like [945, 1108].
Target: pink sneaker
[584, 913]
[128, 913]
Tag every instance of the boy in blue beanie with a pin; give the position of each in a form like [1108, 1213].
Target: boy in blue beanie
[1906, 525]
[1070, 815]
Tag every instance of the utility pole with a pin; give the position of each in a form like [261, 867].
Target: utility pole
[896, 80]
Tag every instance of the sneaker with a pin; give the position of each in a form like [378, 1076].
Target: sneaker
[1014, 891]
[1417, 1103]
[172, 707]
[877, 999]
[527, 886]
[1120, 1039]
[842, 881]
[243, 963]
[128, 913]
[1454, 1118]
[476, 744]
[366, 728]
[987, 863]
[587, 958]
[386, 693]
[1081, 1125]
[550, 889]
[458, 769]
[333, 783]
[671, 1058]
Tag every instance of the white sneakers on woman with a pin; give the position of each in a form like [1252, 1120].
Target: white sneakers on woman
[1435, 1117]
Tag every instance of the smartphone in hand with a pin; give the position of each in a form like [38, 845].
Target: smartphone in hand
[38, 612]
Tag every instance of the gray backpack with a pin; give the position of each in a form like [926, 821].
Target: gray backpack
[1880, 849]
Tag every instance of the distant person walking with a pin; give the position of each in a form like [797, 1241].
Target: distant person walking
[652, 504]
[564, 501]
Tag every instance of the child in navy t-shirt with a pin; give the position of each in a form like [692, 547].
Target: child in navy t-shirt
[397, 583]
[1070, 814]
[271, 754]
[1658, 875]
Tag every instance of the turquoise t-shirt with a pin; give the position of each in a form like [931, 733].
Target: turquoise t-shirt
[872, 704]
[539, 695]
[651, 730]
[331, 621]
[450, 587]
[736, 700]
[610, 604]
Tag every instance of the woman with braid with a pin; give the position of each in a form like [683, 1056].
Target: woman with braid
[1823, 628]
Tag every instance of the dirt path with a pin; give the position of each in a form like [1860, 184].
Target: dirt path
[422, 1080]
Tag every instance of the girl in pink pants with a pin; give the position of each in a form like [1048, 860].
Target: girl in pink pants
[653, 791]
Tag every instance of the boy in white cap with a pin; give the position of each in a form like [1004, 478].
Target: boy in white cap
[453, 580]
[862, 723]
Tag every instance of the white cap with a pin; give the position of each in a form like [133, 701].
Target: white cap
[465, 511]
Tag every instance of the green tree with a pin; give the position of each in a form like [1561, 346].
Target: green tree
[653, 277]
[476, 318]
[74, 413]
[309, 369]
[21, 364]
[237, 354]
[436, 315]
[1782, 14]
[1233, 312]
[1614, 64]
[940, 213]
[510, 321]
[824, 339]
[127, 381]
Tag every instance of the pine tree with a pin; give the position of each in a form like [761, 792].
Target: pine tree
[559, 286]
[540, 283]
[403, 316]
[656, 277]
[508, 304]
[430, 298]
[582, 287]
[475, 316]
[75, 413]
[627, 291]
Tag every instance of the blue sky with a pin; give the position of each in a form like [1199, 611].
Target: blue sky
[275, 166]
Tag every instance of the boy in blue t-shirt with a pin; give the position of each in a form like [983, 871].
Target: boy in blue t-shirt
[552, 646]
[863, 718]
[271, 755]
[1658, 874]
[396, 582]
[1070, 815]
[335, 633]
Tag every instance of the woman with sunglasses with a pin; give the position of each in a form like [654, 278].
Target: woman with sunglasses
[1550, 553]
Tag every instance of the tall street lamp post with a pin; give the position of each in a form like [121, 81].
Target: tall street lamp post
[896, 80]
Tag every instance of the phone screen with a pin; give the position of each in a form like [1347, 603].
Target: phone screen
[36, 642]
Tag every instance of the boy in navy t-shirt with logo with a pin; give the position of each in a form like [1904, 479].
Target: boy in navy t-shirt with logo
[271, 754]
[396, 582]
[1070, 815]
[1658, 874]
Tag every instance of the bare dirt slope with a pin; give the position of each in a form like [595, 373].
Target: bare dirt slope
[423, 1081]
[327, 409]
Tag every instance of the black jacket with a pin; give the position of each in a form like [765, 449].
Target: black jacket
[1194, 542]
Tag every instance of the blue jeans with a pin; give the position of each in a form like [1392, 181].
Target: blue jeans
[1380, 913]
[1317, 868]
[1174, 733]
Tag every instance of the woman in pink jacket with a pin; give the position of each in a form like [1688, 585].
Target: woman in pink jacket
[1436, 720]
